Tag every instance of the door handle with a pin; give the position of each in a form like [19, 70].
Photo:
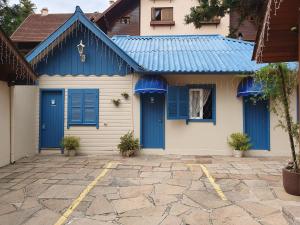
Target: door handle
[43, 126]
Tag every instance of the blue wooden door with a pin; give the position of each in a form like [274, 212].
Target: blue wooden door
[52, 119]
[257, 123]
[153, 120]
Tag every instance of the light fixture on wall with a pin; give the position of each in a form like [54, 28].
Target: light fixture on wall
[80, 48]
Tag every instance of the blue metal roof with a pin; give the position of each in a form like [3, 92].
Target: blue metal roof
[189, 53]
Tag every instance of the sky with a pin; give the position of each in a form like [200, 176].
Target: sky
[68, 6]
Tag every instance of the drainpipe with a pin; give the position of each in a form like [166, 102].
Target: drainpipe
[11, 160]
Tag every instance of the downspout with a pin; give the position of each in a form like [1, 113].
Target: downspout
[10, 85]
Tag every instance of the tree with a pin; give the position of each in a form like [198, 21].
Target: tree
[279, 84]
[12, 16]
[209, 9]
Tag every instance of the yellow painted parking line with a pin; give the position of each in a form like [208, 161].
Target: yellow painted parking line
[211, 180]
[84, 193]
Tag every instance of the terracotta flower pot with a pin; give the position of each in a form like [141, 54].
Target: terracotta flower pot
[291, 182]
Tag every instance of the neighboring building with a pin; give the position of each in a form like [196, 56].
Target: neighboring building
[37, 27]
[133, 17]
[167, 18]
[16, 103]
[121, 18]
[247, 28]
[187, 94]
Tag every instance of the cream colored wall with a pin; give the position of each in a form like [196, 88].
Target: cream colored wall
[23, 122]
[192, 139]
[180, 9]
[200, 138]
[4, 124]
[113, 121]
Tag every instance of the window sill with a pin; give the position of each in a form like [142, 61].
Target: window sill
[83, 125]
[201, 121]
[213, 22]
[162, 23]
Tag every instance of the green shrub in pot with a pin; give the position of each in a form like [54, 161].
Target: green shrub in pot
[70, 145]
[240, 143]
[129, 145]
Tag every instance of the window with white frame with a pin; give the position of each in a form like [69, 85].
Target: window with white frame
[200, 105]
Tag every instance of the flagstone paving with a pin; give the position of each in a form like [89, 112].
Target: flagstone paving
[146, 190]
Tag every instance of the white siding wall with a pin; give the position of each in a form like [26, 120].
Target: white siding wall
[4, 124]
[113, 121]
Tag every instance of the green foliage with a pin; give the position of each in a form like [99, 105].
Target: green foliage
[280, 84]
[70, 143]
[239, 141]
[129, 145]
[12, 16]
[209, 9]
[273, 89]
[116, 102]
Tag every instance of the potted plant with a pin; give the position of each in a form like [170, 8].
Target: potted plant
[70, 145]
[240, 143]
[280, 84]
[129, 145]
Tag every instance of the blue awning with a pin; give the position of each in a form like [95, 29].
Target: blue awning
[248, 87]
[151, 84]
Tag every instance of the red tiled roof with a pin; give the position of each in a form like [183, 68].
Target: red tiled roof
[36, 27]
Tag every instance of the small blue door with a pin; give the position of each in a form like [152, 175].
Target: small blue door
[52, 118]
[257, 123]
[153, 120]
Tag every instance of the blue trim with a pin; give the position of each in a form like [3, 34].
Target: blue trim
[141, 122]
[83, 91]
[40, 117]
[79, 16]
[214, 105]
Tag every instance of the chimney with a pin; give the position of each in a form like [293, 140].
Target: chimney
[111, 2]
[44, 11]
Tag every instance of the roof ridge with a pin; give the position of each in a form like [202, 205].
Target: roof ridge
[166, 36]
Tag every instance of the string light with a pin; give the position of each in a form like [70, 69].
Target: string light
[264, 36]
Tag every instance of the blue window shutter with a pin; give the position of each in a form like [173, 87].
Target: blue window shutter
[172, 103]
[91, 107]
[178, 103]
[75, 99]
[83, 107]
[183, 102]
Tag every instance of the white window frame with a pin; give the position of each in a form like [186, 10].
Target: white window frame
[200, 103]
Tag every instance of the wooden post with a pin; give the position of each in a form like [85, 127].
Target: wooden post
[299, 67]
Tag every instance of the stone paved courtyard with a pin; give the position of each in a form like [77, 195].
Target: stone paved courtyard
[147, 190]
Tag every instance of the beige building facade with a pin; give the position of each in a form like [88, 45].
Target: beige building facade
[194, 138]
